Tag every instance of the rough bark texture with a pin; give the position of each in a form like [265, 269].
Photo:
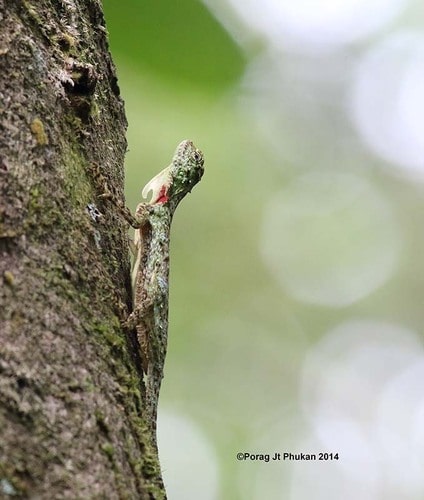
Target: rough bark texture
[70, 408]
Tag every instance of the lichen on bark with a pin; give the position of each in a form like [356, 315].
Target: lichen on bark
[71, 414]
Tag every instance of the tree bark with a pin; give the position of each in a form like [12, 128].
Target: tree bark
[71, 412]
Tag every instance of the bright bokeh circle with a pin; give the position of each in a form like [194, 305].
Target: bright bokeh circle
[330, 239]
[387, 102]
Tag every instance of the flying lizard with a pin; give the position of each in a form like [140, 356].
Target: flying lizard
[152, 224]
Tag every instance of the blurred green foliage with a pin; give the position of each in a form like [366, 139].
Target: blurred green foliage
[179, 41]
[238, 339]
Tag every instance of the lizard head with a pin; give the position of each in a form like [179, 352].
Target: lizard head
[174, 182]
[186, 170]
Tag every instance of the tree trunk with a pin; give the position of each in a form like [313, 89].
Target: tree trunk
[71, 412]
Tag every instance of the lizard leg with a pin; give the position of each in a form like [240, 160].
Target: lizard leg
[109, 194]
[141, 216]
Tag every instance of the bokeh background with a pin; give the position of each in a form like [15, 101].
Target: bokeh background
[296, 304]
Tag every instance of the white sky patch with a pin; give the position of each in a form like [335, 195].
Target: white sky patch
[387, 101]
[330, 239]
[310, 26]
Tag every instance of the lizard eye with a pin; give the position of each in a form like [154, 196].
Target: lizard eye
[197, 156]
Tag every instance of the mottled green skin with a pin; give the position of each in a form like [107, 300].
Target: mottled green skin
[186, 171]
[151, 273]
